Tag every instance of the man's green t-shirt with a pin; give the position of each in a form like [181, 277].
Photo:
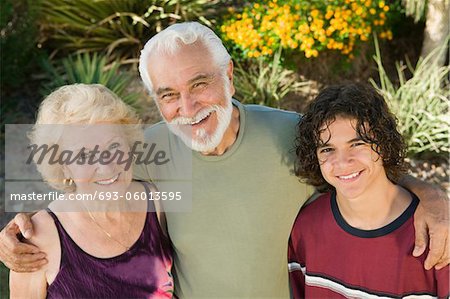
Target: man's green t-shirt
[233, 242]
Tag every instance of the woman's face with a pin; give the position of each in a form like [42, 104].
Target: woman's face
[99, 153]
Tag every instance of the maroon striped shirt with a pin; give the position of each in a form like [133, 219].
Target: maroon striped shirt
[330, 259]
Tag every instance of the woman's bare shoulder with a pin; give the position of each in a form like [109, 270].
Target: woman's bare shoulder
[44, 230]
[45, 236]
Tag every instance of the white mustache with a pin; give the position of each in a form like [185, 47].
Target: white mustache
[202, 114]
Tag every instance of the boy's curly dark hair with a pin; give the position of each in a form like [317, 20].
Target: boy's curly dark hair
[366, 106]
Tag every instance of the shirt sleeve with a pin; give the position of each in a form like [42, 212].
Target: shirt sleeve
[296, 268]
[140, 172]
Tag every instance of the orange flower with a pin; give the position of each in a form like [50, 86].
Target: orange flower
[329, 14]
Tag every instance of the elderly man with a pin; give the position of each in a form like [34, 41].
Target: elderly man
[233, 243]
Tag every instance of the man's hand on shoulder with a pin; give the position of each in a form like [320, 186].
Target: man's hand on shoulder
[14, 252]
[431, 222]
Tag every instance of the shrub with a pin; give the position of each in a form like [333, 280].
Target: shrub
[89, 69]
[306, 26]
[4, 279]
[18, 42]
[415, 8]
[421, 103]
[265, 83]
[117, 27]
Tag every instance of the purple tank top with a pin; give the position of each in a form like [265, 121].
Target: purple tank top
[141, 272]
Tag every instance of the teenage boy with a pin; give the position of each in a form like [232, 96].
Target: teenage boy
[360, 235]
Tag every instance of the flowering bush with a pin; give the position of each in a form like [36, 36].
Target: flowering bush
[309, 26]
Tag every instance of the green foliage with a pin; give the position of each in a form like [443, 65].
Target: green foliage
[421, 103]
[17, 43]
[415, 8]
[116, 27]
[265, 83]
[4, 281]
[87, 68]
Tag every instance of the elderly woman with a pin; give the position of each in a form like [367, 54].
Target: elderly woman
[107, 247]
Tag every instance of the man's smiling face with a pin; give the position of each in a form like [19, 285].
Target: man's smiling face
[193, 95]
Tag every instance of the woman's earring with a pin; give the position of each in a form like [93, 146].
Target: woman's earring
[68, 182]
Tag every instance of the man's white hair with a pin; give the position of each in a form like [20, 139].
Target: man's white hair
[171, 39]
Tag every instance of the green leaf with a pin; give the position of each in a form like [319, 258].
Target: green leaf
[90, 69]
[421, 104]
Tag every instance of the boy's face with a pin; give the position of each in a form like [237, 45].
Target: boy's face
[346, 161]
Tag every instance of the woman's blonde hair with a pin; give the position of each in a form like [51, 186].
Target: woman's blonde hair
[78, 104]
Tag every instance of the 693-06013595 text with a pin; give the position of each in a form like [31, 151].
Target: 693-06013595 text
[51, 196]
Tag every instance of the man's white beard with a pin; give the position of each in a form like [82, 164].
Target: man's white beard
[202, 141]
